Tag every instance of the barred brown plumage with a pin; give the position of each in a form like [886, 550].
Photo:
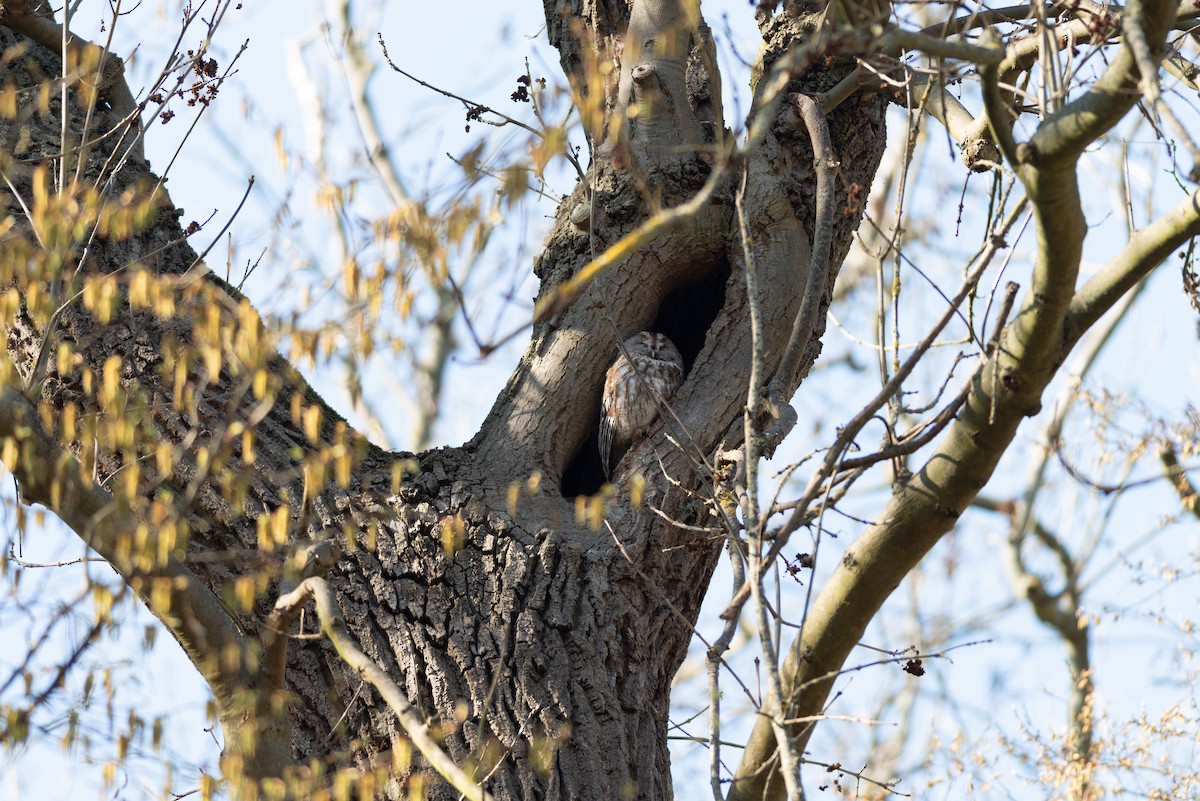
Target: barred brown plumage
[628, 405]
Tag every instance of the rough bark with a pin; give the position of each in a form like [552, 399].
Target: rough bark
[558, 640]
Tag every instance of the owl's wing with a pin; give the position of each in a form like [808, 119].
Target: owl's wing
[606, 440]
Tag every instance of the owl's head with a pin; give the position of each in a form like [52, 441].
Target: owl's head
[654, 346]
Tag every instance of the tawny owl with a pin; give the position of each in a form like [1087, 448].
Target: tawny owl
[628, 406]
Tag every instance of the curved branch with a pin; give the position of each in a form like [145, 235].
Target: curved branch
[1006, 389]
[825, 164]
[899, 40]
[847, 433]
[1063, 136]
[998, 114]
[1144, 251]
[1177, 475]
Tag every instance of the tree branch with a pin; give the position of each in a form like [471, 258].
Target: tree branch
[1062, 137]
[850, 430]
[1146, 249]
[1179, 480]
[998, 117]
[825, 165]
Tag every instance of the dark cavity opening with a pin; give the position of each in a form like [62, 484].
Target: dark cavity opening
[685, 315]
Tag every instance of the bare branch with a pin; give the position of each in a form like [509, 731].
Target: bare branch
[850, 430]
[1177, 475]
[1145, 250]
[825, 164]
[898, 40]
[928, 504]
[1063, 136]
[999, 117]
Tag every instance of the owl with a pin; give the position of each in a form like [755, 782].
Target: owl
[628, 405]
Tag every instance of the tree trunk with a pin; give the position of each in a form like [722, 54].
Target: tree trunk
[542, 646]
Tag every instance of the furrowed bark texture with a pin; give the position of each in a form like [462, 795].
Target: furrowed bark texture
[544, 649]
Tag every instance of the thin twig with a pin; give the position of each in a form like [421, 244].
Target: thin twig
[847, 433]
